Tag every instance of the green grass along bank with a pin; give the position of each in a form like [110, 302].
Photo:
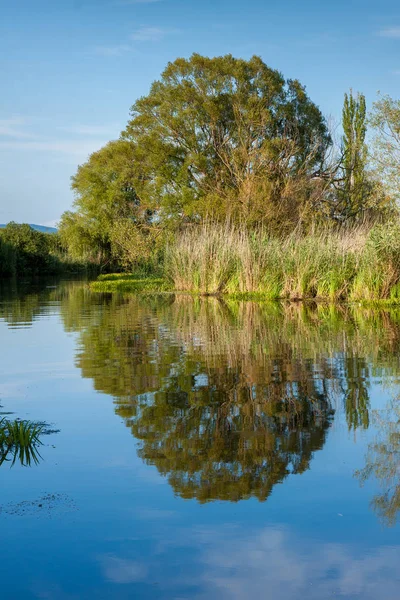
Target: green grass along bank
[357, 265]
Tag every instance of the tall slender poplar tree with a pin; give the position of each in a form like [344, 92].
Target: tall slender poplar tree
[354, 153]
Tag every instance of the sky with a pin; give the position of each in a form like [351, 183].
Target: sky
[71, 69]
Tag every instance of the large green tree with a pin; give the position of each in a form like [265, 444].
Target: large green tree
[224, 137]
[215, 137]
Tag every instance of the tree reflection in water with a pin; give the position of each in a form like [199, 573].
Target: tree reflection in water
[383, 463]
[229, 398]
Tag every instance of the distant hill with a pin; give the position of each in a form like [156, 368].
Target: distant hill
[41, 228]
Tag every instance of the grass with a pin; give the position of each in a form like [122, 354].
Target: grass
[20, 440]
[120, 282]
[358, 265]
[361, 264]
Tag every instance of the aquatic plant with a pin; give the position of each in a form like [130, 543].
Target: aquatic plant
[19, 440]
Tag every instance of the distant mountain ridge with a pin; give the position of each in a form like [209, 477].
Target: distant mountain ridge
[41, 228]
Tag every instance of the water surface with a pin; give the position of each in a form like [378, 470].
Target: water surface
[206, 449]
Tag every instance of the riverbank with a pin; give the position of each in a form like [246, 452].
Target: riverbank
[356, 265]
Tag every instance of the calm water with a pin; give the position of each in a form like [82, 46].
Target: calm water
[206, 449]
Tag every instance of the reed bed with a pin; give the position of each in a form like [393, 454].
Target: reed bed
[360, 264]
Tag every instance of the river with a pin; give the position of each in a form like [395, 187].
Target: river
[199, 448]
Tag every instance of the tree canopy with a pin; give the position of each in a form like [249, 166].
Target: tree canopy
[25, 250]
[223, 137]
[385, 119]
[227, 139]
[220, 138]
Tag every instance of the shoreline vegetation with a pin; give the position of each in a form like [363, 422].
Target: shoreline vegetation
[356, 265]
[229, 180]
[25, 251]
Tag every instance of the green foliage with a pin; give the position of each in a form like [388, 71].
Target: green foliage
[110, 225]
[214, 137]
[216, 259]
[378, 275]
[116, 282]
[8, 258]
[19, 440]
[223, 136]
[354, 154]
[385, 119]
[25, 250]
[231, 140]
[360, 264]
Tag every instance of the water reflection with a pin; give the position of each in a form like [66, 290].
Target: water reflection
[383, 463]
[228, 399]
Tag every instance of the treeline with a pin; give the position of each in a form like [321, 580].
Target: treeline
[25, 251]
[228, 140]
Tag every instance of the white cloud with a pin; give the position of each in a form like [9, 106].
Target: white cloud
[112, 50]
[120, 570]
[390, 32]
[238, 565]
[233, 563]
[150, 34]
[12, 128]
[142, 34]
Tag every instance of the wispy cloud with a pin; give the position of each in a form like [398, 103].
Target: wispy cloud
[390, 32]
[12, 128]
[112, 50]
[242, 565]
[120, 570]
[92, 130]
[142, 34]
[150, 34]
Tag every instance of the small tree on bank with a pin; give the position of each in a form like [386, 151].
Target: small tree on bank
[385, 119]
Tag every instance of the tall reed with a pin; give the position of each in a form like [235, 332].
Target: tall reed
[357, 264]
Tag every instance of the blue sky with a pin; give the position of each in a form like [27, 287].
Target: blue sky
[71, 69]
